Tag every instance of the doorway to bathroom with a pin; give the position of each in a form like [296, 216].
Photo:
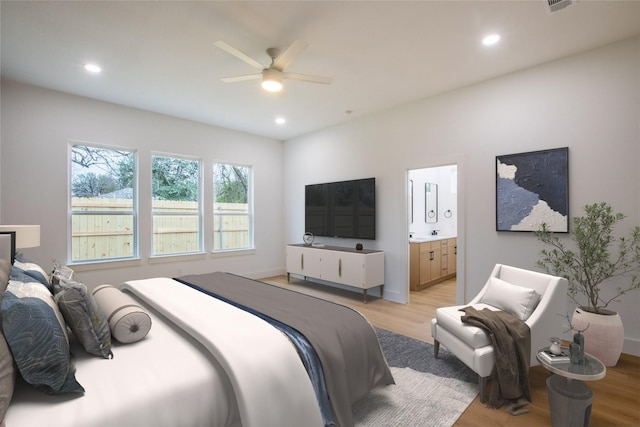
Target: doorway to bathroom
[432, 231]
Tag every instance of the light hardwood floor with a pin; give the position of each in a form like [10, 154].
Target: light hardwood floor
[616, 398]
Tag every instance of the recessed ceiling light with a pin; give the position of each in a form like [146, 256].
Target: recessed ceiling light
[280, 120]
[491, 39]
[92, 68]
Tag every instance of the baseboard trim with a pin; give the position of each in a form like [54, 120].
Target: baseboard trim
[266, 273]
[631, 346]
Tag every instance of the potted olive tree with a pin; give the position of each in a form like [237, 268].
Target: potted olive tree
[599, 270]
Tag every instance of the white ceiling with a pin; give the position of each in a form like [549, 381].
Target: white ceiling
[160, 56]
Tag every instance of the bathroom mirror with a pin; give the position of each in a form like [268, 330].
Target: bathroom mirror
[430, 203]
[411, 199]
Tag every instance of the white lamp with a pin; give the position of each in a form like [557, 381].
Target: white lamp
[272, 80]
[27, 236]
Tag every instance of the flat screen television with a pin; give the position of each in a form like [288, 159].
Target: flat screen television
[344, 209]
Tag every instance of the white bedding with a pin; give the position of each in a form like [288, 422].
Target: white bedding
[203, 363]
[270, 382]
[167, 379]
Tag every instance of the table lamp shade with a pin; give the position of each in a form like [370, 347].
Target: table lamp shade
[27, 236]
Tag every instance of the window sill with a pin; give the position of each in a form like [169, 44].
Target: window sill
[159, 259]
[233, 252]
[101, 265]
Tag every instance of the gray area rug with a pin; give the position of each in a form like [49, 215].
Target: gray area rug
[405, 352]
[428, 391]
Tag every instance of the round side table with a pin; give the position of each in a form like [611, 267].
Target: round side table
[569, 397]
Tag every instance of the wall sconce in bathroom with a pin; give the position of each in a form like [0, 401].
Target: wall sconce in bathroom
[448, 213]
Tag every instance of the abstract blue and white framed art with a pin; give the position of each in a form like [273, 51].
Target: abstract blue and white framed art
[533, 188]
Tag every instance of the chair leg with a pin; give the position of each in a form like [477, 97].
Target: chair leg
[436, 348]
[483, 382]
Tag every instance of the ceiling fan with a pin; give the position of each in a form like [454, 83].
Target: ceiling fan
[272, 75]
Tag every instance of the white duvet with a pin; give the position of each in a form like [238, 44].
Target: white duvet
[217, 366]
[270, 382]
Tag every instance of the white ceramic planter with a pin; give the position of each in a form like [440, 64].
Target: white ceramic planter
[604, 336]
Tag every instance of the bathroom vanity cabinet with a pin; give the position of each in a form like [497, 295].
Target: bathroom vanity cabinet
[431, 262]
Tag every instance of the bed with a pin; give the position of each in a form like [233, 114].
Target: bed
[222, 351]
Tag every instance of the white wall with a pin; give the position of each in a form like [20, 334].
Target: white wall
[36, 127]
[588, 102]
[445, 177]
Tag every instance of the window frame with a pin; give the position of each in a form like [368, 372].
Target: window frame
[250, 213]
[199, 213]
[134, 213]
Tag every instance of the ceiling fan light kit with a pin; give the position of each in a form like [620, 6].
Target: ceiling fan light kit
[272, 80]
[273, 75]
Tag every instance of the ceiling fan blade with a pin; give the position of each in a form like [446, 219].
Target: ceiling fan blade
[308, 78]
[235, 52]
[285, 58]
[241, 78]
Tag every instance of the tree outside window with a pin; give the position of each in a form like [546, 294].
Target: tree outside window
[176, 205]
[232, 216]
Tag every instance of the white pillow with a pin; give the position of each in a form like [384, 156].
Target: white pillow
[517, 300]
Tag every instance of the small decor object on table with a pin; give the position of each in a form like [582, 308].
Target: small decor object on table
[576, 348]
[358, 246]
[307, 238]
[555, 345]
[550, 357]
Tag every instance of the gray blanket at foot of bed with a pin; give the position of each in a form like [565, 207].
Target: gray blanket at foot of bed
[346, 343]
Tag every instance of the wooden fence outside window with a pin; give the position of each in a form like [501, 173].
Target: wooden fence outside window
[105, 236]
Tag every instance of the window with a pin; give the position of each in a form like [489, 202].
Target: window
[102, 203]
[232, 210]
[176, 209]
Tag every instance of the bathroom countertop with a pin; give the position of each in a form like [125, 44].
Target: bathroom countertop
[424, 239]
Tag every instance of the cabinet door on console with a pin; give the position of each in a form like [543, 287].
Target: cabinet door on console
[303, 261]
[343, 267]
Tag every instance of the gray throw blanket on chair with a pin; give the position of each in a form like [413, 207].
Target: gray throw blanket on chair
[511, 340]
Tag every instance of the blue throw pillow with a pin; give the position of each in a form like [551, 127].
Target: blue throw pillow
[36, 333]
[19, 275]
[32, 269]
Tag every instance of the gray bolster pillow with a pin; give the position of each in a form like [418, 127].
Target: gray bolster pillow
[128, 321]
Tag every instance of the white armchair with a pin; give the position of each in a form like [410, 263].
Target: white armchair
[536, 298]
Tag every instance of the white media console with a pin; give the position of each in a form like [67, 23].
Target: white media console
[363, 269]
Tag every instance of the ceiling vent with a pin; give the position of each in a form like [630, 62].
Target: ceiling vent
[557, 5]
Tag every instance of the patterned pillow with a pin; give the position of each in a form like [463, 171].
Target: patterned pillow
[32, 269]
[35, 331]
[82, 314]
